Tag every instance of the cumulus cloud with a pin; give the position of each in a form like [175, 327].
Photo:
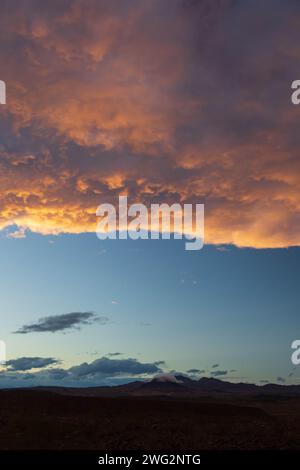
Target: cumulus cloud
[166, 378]
[101, 371]
[111, 367]
[27, 363]
[200, 111]
[62, 322]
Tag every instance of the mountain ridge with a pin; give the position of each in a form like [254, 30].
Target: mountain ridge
[178, 385]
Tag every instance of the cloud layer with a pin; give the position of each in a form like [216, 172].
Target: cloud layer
[182, 101]
[101, 371]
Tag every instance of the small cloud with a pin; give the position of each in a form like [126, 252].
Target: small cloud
[195, 371]
[264, 381]
[113, 354]
[223, 248]
[166, 378]
[218, 373]
[214, 366]
[19, 233]
[159, 363]
[280, 379]
[114, 302]
[62, 322]
[27, 363]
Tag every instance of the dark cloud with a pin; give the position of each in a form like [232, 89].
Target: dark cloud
[280, 379]
[195, 371]
[215, 365]
[218, 373]
[62, 322]
[111, 367]
[27, 363]
[159, 363]
[57, 374]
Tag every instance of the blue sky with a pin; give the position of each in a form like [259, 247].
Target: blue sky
[222, 305]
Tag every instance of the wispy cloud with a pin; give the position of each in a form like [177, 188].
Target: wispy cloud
[195, 371]
[218, 373]
[62, 322]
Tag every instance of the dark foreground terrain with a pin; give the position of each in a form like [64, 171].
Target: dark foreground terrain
[43, 419]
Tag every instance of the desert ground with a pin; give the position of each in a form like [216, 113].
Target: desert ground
[43, 419]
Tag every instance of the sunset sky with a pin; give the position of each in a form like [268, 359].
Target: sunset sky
[170, 101]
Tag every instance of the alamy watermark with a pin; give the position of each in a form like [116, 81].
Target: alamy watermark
[138, 222]
[295, 358]
[295, 97]
[2, 92]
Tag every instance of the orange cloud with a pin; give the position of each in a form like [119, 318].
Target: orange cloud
[180, 101]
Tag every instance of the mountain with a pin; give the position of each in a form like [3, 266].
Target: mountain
[182, 386]
[164, 383]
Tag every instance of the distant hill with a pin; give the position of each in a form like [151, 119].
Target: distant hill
[182, 386]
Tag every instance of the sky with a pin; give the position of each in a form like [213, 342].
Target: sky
[180, 101]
